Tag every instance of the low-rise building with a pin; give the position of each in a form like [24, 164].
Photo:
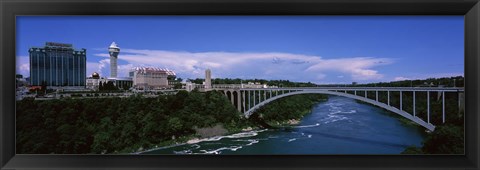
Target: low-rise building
[189, 86]
[122, 83]
[94, 81]
[254, 85]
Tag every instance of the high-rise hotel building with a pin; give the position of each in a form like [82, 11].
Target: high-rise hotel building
[57, 64]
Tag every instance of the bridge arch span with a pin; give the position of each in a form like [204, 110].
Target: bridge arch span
[402, 113]
[229, 95]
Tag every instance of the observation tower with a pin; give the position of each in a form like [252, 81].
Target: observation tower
[113, 50]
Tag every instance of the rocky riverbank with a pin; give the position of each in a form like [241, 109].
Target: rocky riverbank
[205, 133]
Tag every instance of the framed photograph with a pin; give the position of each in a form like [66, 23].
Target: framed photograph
[226, 85]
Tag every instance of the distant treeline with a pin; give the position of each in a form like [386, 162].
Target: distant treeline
[457, 81]
[279, 83]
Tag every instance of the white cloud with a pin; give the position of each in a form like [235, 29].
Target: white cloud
[124, 69]
[103, 68]
[359, 68]
[321, 76]
[103, 65]
[273, 65]
[92, 67]
[103, 55]
[426, 76]
[400, 78]
[23, 66]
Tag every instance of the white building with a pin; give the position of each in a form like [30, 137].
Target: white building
[189, 86]
[255, 85]
[150, 78]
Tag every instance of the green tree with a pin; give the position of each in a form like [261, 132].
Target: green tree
[175, 124]
[100, 86]
[447, 139]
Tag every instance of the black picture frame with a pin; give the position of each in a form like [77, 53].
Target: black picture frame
[9, 9]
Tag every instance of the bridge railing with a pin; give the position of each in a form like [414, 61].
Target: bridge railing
[449, 89]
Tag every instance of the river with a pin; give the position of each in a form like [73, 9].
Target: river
[337, 126]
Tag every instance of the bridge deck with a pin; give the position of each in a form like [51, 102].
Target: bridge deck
[446, 89]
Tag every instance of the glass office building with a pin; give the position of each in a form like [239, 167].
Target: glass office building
[57, 64]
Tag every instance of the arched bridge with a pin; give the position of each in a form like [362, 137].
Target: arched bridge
[247, 100]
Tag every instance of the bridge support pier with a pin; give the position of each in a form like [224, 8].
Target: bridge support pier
[264, 95]
[461, 101]
[401, 100]
[259, 93]
[388, 98]
[254, 98]
[376, 96]
[232, 97]
[239, 101]
[249, 101]
[428, 107]
[414, 104]
[243, 101]
[443, 107]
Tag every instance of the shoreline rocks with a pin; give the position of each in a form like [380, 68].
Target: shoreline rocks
[293, 122]
[217, 130]
[194, 140]
[247, 129]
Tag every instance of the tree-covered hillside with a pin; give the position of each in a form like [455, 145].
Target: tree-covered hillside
[126, 125]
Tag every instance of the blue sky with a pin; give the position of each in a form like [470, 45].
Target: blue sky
[319, 49]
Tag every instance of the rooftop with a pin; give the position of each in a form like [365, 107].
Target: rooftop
[114, 45]
[153, 70]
